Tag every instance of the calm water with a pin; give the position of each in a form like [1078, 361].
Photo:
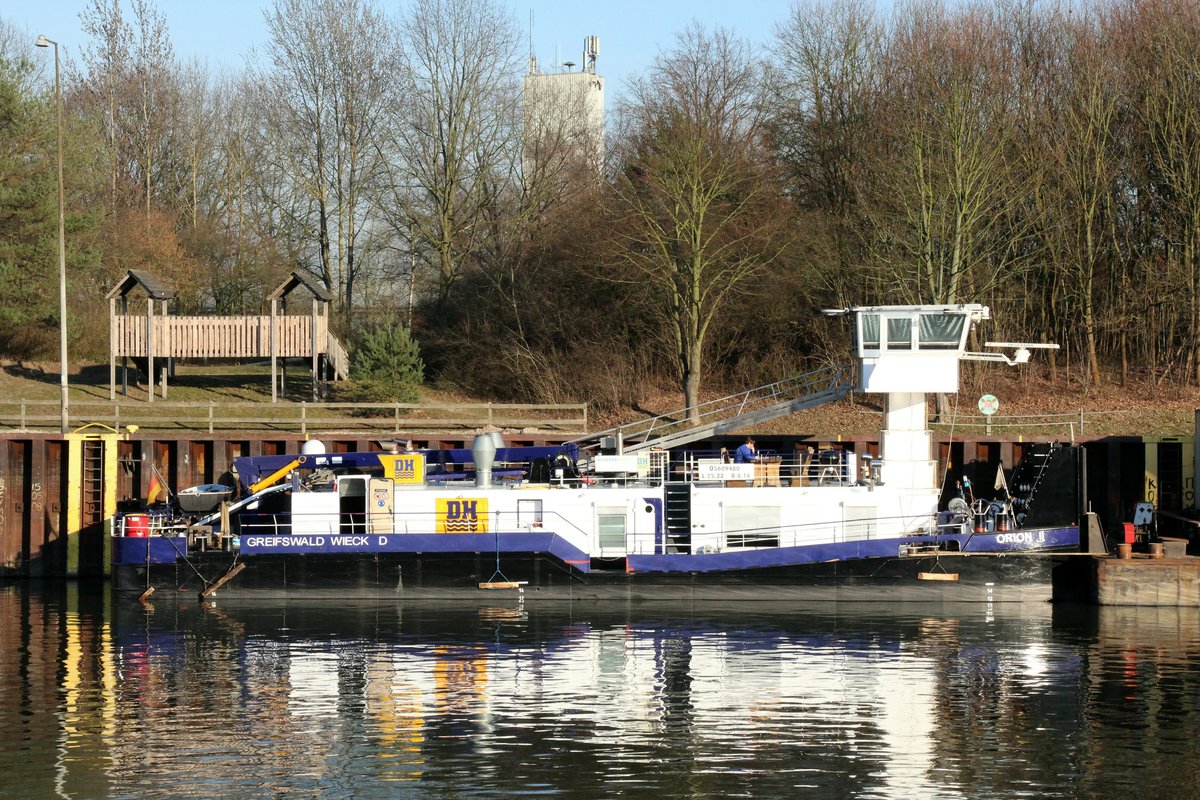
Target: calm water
[102, 698]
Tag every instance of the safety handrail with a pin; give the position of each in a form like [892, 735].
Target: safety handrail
[816, 382]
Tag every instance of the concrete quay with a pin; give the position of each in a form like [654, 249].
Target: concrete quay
[1166, 578]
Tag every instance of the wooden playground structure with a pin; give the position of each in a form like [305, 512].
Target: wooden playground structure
[157, 340]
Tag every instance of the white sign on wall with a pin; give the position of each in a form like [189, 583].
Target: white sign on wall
[638, 463]
[720, 471]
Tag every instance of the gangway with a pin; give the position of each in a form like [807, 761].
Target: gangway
[729, 413]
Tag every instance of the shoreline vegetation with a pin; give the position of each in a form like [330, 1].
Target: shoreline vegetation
[539, 246]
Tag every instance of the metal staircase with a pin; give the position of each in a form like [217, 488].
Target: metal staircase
[679, 517]
[729, 413]
[1044, 483]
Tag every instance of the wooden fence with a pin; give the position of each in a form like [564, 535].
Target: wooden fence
[304, 418]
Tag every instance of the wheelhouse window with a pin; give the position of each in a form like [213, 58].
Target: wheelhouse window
[870, 331]
[941, 331]
[899, 333]
[911, 330]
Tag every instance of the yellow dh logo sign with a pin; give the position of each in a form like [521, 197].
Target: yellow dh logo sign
[462, 516]
[406, 468]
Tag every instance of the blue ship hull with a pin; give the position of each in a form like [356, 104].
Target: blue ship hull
[986, 568]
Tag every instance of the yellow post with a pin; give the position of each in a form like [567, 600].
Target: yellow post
[1150, 492]
[74, 501]
[75, 493]
[111, 453]
[1153, 481]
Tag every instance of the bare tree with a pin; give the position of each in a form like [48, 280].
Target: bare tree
[131, 74]
[324, 96]
[1090, 160]
[693, 217]
[823, 92]
[107, 58]
[452, 128]
[1170, 112]
[236, 225]
[943, 194]
[153, 68]
[193, 159]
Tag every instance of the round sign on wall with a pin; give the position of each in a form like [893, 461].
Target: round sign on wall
[988, 404]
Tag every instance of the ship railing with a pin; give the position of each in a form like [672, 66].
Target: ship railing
[300, 418]
[830, 467]
[822, 532]
[652, 475]
[139, 524]
[730, 412]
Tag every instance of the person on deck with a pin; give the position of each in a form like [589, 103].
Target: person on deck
[745, 454]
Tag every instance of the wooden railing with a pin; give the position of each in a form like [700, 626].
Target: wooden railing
[304, 418]
[220, 336]
[339, 358]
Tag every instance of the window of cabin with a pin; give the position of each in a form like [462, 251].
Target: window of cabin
[941, 331]
[860, 522]
[529, 513]
[870, 331]
[752, 526]
[899, 333]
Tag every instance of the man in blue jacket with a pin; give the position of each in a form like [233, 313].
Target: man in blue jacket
[745, 454]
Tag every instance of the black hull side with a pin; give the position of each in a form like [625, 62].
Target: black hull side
[978, 578]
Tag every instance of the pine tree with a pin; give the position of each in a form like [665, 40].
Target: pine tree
[387, 366]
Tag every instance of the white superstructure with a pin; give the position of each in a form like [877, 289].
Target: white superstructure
[906, 352]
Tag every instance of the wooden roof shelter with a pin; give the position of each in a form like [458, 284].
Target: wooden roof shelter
[211, 336]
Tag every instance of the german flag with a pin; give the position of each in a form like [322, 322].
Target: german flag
[155, 490]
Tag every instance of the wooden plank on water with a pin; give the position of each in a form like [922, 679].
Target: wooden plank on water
[502, 584]
[937, 576]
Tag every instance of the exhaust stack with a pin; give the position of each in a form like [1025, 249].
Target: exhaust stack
[483, 450]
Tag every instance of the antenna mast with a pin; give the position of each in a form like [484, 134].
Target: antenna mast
[532, 58]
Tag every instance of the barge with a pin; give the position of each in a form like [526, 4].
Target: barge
[638, 521]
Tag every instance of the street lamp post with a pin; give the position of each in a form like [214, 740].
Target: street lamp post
[42, 41]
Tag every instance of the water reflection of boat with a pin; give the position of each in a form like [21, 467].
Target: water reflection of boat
[549, 625]
[754, 687]
[640, 522]
[666, 700]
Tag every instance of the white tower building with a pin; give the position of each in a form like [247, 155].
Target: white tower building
[563, 114]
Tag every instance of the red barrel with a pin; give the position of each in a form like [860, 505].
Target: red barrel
[137, 525]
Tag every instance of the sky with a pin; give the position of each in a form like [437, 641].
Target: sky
[222, 32]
